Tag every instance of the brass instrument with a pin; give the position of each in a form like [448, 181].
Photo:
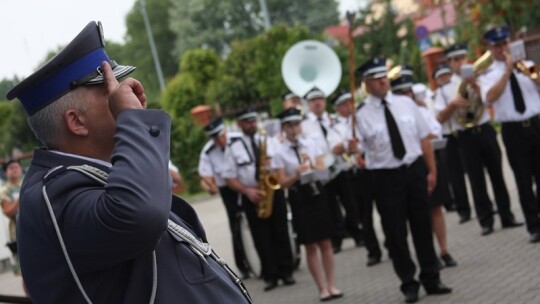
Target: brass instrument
[314, 189]
[267, 182]
[470, 115]
[529, 70]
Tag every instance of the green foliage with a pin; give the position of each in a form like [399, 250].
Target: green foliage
[389, 38]
[136, 50]
[185, 91]
[216, 24]
[252, 71]
[15, 132]
[474, 17]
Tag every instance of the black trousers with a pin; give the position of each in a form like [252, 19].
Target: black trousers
[481, 150]
[364, 199]
[233, 208]
[401, 196]
[339, 190]
[522, 142]
[453, 159]
[271, 237]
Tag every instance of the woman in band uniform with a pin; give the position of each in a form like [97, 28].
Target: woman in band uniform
[295, 163]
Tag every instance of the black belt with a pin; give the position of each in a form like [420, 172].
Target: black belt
[474, 130]
[400, 168]
[523, 123]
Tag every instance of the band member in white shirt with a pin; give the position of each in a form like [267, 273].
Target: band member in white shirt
[364, 200]
[211, 163]
[399, 156]
[446, 102]
[515, 99]
[318, 125]
[297, 162]
[241, 173]
[402, 84]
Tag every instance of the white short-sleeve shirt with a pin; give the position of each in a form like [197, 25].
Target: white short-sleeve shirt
[504, 106]
[374, 134]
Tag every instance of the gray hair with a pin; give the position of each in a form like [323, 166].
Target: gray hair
[48, 123]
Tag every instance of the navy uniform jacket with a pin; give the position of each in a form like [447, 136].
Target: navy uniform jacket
[110, 231]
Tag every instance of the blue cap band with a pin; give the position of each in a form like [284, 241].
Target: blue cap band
[60, 82]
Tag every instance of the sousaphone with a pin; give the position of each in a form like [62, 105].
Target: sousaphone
[308, 64]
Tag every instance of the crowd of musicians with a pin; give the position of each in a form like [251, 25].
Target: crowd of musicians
[403, 150]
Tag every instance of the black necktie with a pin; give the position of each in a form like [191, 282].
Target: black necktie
[519, 103]
[395, 138]
[325, 132]
[256, 155]
[295, 148]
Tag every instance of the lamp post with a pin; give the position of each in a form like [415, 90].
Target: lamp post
[153, 48]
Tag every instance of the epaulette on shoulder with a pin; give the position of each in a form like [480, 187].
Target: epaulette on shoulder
[234, 139]
[209, 148]
[360, 106]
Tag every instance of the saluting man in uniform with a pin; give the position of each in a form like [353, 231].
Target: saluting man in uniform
[98, 223]
[399, 157]
[514, 97]
[446, 102]
[241, 173]
[211, 163]
[318, 125]
[345, 110]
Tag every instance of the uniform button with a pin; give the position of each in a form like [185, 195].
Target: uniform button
[154, 131]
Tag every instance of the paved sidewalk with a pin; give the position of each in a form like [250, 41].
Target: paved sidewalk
[501, 268]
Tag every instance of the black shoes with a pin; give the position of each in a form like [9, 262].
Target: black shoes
[511, 224]
[487, 230]
[372, 261]
[448, 260]
[437, 289]
[534, 237]
[464, 218]
[411, 296]
[288, 280]
[270, 284]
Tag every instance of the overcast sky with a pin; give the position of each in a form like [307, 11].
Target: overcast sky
[31, 28]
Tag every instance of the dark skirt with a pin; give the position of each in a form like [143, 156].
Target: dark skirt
[312, 218]
[441, 194]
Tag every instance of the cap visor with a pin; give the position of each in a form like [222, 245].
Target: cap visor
[119, 71]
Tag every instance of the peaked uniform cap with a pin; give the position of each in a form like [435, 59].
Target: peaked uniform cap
[314, 93]
[497, 34]
[290, 115]
[247, 114]
[373, 68]
[441, 70]
[342, 97]
[215, 127]
[458, 49]
[79, 63]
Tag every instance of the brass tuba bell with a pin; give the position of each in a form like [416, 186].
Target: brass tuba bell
[470, 115]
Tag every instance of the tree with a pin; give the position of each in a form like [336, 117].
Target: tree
[136, 50]
[216, 24]
[390, 36]
[251, 73]
[473, 17]
[185, 91]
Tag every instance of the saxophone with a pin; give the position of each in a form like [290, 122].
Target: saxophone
[267, 182]
[470, 115]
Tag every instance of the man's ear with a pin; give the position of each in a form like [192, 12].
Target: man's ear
[75, 122]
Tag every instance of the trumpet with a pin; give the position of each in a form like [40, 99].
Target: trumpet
[531, 70]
